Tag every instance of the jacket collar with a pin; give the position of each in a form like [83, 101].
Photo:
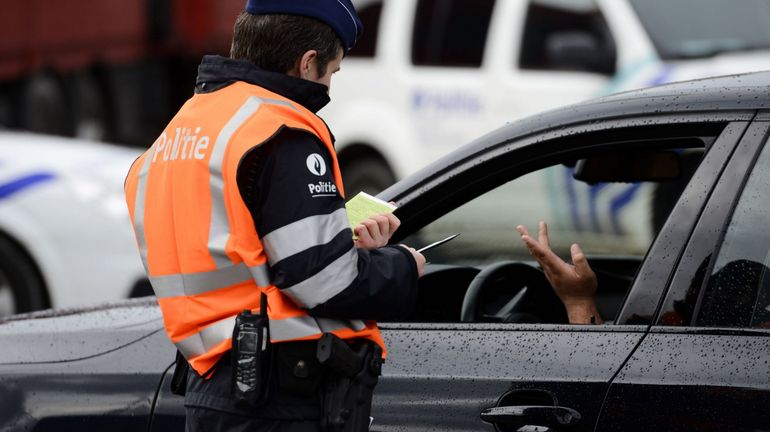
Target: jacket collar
[216, 72]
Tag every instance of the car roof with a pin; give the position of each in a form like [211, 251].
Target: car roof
[739, 93]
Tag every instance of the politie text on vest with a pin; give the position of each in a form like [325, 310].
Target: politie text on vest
[185, 145]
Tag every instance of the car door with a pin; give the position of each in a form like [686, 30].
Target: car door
[704, 364]
[443, 375]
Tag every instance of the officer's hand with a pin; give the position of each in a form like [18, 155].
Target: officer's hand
[419, 259]
[574, 284]
[376, 231]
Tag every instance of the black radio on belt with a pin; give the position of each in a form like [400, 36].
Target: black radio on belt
[251, 357]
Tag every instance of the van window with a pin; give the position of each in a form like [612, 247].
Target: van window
[451, 32]
[369, 14]
[567, 35]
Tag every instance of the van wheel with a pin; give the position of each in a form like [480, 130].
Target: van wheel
[369, 175]
[21, 287]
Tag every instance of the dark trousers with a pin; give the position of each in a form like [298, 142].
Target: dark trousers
[295, 402]
[208, 420]
[211, 407]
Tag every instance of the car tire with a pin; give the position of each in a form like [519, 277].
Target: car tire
[369, 175]
[21, 286]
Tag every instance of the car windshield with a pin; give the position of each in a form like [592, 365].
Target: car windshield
[701, 28]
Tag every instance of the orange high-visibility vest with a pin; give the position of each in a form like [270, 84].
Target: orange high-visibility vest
[195, 234]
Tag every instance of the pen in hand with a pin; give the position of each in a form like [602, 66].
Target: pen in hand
[438, 243]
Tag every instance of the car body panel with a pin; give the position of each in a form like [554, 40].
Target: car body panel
[68, 335]
[439, 378]
[87, 380]
[680, 375]
[692, 380]
[168, 413]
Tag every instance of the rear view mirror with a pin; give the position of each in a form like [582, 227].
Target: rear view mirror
[629, 167]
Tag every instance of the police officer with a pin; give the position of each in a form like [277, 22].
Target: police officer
[241, 195]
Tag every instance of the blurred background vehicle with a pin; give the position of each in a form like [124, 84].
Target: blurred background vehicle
[109, 70]
[443, 71]
[430, 75]
[65, 236]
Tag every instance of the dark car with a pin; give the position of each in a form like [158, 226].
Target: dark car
[685, 345]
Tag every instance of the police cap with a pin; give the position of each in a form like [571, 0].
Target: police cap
[340, 15]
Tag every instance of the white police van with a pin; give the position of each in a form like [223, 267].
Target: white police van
[65, 234]
[430, 75]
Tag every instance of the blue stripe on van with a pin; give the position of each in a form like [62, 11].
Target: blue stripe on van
[14, 186]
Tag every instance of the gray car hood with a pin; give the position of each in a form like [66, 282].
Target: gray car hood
[72, 334]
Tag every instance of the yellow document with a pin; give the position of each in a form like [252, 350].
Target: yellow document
[364, 206]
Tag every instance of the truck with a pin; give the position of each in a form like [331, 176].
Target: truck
[110, 70]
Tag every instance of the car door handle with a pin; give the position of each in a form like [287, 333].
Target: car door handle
[548, 416]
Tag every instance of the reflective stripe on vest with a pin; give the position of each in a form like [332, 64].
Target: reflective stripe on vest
[180, 294]
[280, 330]
[198, 283]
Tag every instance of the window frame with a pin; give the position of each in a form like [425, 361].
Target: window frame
[761, 146]
[704, 243]
[448, 188]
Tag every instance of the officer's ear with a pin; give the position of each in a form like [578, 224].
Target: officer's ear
[307, 66]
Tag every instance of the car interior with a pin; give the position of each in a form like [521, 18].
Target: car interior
[621, 192]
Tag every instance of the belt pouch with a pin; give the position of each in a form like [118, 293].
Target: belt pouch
[298, 371]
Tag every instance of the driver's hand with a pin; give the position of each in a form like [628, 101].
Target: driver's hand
[575, 284]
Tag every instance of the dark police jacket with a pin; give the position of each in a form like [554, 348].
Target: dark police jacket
[274, 180]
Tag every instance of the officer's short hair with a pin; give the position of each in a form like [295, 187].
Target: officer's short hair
[276, 42]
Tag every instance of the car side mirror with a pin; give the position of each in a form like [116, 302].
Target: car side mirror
[629, 167]
[579, 50]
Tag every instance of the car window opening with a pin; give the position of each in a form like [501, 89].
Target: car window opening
[612, 202]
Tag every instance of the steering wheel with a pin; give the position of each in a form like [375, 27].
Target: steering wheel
[532, 302]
